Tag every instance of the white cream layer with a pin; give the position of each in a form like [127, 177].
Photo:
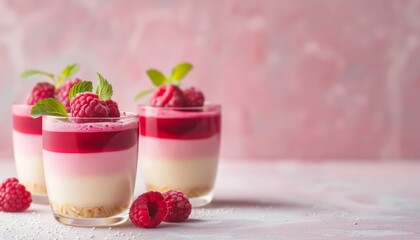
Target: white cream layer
[91, 179]
[179, 164]
[180, 174]
[27, 150]
[91, 191]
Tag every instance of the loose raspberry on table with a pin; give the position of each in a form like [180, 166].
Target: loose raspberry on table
[7, 181]
[62, 93]
[193, 97]
[13, 196]
[148, 210]
[40, 91]
[113, 108]
[179, 207]
[167, 96]
[88, 105]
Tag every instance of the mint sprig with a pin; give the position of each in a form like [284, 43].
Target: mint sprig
[49, 106]
[179, 71]
[158, 78]
[67, 72]
[80, 87]
[30, 73]
[143, 93]
[104, 88]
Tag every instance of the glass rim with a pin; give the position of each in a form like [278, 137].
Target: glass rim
[128, 115]
[205, 106]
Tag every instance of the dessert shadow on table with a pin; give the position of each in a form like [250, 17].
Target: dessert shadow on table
[246, 203]
[164, 225]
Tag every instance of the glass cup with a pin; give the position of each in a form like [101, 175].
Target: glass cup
[179, 149]
[27, 148]
[90, 168]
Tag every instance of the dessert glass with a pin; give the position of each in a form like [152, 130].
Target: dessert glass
[90, 168]
[27, 149]
[179, 149]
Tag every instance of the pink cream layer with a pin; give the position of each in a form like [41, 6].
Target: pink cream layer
[90, 164]
[177, 150]
[27, 144]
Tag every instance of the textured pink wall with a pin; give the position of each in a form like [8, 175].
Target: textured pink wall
[300, 79]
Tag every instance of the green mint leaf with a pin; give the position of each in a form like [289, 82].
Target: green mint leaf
[84, 86]
[104, 89]
[48, 106]
[179, 71]
[157, 77]
[30, 73]
[69, 71]
[143, 93]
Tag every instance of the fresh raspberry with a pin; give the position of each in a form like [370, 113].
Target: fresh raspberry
[40, 91]
[193, 97]
[179, 207]
[13, 196]
[167, 96]
[62, 93]
[87, 104]
[148, 210]
[113, 108]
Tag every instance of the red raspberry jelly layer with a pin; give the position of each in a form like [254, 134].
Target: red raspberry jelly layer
[28, 125]
[189, 127]
[90, 138]
[23, 122]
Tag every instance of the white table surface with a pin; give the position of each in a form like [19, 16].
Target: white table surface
[269, 200]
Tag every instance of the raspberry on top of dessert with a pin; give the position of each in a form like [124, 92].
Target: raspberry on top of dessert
[58, 89]
[168, 93]
[84, 103]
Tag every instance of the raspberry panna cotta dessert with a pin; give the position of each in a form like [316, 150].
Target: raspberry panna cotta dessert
[27, 132]
[90, 156]
[179, 138]
[13, 196]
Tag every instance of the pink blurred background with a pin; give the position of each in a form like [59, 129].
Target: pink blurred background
[297, 79]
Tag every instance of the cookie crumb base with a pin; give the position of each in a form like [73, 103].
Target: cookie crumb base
[73, 211]
[190, 192]
[36, 188]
